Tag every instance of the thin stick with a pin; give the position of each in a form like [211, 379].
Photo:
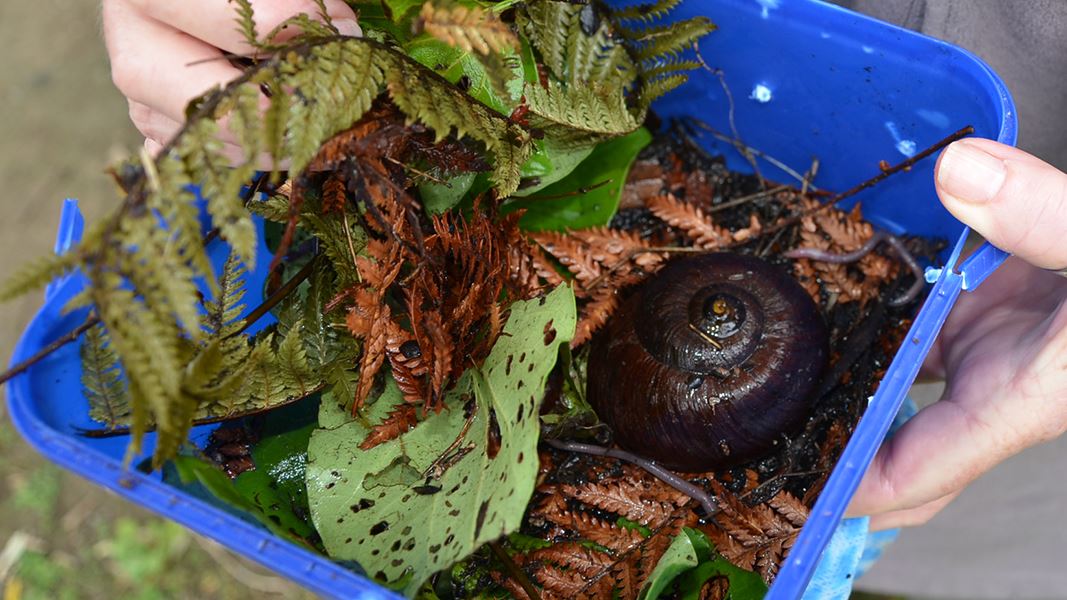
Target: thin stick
[67, 338]
[707, 338]
[810, 176]
[883, 173]
[741, 146]
[848, 257]
[436, 180]
[351, 246]
[279, 294]
[628, 256]
[676, 482]
[776, 478]
[577, 192]
[514, 571]
[747, 199]
[761, 154]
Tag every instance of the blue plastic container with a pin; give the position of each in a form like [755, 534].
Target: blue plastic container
[808, 80]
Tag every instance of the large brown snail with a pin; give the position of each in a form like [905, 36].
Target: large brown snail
[709, 362]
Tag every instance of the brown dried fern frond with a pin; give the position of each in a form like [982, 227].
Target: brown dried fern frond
[472, 29]
[399, 421]
[697, 226]
[573, 253]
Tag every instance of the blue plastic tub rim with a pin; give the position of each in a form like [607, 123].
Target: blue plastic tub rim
[330, 579]
[948, 281]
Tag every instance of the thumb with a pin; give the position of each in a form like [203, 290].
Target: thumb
[1018, 202]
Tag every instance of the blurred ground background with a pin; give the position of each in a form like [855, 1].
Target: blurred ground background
[61, 123]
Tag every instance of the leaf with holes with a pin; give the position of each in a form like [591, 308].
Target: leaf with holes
[462, 477]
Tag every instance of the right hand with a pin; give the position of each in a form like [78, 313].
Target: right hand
[165, 53]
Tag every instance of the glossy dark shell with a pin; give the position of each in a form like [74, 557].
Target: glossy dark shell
[709, 363]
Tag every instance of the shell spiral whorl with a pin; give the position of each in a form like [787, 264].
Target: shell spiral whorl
[709, 362]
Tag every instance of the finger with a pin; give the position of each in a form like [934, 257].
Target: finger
[157, 66]
[938, 452]
[153, 124]
[215, 21]
[152, 147]
[911, 517]
[1003, 397]
[1018, 202]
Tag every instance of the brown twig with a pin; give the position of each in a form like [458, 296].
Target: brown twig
[746, 199]
[279, 294]
[69, 337]
[848, 257]
[577, 192]
[93, 320]
[630, 255]
[664, 475]
[882, 174]
[514, 571]
[436, 180]
[741, 147]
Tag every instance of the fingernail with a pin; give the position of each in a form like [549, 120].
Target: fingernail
[348, 27]
[970, 174]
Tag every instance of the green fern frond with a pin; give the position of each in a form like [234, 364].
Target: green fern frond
[149, 356]
[176, 205]
[651, 90]
[579, 114]
[246, 23]
[272, 208]
[430, 99]
[310, 29]
[336, 82]
[667, 67]
[39, 273]
[201, 152]
[325, 15]
[551, 28]
[292, 361]
[644, 13]
[653, 44]
[600, 60]
[221, 318]
[164, 282]
[102, 381]
[471, 29]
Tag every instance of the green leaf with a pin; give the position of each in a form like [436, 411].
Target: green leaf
[610, 161]
[399, 9]
[744, 585]
[551, 162]
[276, 486]
[679, 557]
[433, 53]
[418, 504]
[192, 470]
[437, 198]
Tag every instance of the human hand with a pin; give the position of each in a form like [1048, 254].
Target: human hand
[1003, 349]
[164, 53]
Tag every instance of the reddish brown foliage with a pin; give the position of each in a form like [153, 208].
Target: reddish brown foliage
[399, 421]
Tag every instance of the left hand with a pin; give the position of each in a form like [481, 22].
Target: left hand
[1003, 349]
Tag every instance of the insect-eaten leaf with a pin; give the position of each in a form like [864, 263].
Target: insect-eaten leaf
[459, 479]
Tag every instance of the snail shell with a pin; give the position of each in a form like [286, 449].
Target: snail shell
[709, 362]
